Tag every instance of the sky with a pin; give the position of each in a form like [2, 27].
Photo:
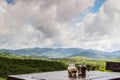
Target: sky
[88, 24]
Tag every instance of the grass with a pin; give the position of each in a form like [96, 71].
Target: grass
[3, 79]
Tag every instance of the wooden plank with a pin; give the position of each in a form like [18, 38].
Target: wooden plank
[114, 66]
[13, 78]
[63, 75]
[115, 79]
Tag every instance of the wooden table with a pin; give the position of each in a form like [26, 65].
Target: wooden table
[63, 75]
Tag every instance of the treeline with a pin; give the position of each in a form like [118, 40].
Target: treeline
[91, 64]
[9, 66]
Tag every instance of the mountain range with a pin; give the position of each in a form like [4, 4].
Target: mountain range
[62, 52]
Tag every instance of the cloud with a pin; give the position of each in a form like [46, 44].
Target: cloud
[47, 23]
[101, 29]
[38, 23]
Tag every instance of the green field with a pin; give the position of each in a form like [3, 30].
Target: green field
[2, 79]
[13, 64]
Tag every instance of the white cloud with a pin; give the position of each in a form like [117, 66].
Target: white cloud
[47, 22]
[102, 29]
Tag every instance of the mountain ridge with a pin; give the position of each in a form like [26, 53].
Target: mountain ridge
[62, 52]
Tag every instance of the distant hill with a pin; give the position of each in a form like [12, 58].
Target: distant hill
[62, 52]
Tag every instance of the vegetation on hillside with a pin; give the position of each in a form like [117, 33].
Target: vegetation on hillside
[92, 64]
[2, 79]
[9, 66]
[14, 64]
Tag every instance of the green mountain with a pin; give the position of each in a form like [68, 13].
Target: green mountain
[63, 52]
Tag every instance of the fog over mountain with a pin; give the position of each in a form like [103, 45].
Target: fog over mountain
[63, 53]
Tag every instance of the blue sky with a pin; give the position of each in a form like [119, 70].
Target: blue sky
[10, 1]
[97, 5]
[94, 9]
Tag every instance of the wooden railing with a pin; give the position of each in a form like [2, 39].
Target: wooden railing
[114, 66]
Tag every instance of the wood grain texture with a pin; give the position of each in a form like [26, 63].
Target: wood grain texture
[63, 75]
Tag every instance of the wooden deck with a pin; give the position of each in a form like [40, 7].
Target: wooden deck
[63, 75]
